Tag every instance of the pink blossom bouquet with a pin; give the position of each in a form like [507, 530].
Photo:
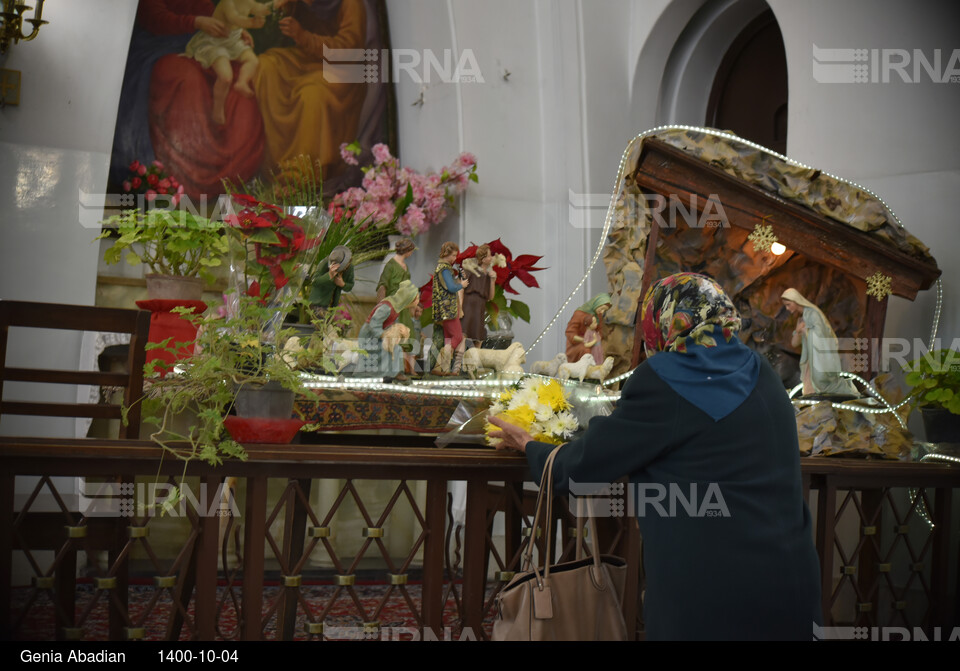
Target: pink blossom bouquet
[391, 195]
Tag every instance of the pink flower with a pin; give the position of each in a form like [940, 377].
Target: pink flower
[466, 160]
[414, 219]
[142, 170]
[150, 194]
[347, 155]
[158, 165]
[381, 154]
[126, 186]
[164, 183]
[135, 166]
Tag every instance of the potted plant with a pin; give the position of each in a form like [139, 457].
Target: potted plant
[178, 247]
[935, 382]
[235, 354]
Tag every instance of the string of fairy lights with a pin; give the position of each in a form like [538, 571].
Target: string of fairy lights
[492, 386]
[608, 221]
[488, 387]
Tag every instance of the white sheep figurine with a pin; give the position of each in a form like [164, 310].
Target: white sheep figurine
[344, 352]
[602, 371]
[509, 360]
[577, 369]
[550, 367]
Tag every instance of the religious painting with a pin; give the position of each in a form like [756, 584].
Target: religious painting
[239, 89]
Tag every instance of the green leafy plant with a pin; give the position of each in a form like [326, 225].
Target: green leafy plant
[935, 380]
[232, 352]
[168, 242]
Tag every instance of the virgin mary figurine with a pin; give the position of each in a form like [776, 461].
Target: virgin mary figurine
[819, 354]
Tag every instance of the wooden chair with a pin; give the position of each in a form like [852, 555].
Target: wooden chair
[65, 531]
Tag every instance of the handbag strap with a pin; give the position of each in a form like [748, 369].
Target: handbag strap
[543, 517]
[544, 506]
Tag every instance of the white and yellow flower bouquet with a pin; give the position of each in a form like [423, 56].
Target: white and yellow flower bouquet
[539, 406]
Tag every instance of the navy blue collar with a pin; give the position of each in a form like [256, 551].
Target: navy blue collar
[715, 379]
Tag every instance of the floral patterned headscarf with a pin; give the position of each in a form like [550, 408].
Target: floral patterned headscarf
[692, 322]
[687, 309]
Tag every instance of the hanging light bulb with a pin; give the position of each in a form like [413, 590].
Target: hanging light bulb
[777, 249]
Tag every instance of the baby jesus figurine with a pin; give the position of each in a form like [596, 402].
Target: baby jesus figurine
[219, 53]
[592, 340]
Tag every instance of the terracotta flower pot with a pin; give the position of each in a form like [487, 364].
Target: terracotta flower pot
[172, 287]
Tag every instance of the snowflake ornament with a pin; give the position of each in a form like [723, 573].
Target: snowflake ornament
[762, 237]
[878, 285]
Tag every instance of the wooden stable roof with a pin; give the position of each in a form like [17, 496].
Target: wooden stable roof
[847, 256]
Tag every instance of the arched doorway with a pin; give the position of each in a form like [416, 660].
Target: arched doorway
[749, 93]
[728, 69]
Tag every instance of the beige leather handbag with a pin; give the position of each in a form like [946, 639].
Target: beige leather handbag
[573, 601]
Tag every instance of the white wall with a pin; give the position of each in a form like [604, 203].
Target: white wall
[897, 139]
[585, 77]
[53, 146]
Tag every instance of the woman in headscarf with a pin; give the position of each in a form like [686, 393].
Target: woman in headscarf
[379, 361]
[819, 355]
[704, 421]
[582, 322]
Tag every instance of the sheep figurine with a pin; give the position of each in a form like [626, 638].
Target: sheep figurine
[344, 352]
[602, 371]
[578, 369]
[508, 360]
[393, 336]
[550, 367]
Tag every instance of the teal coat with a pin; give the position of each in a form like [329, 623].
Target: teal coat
[751, 574]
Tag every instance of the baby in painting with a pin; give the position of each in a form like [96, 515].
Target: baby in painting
[220, 52]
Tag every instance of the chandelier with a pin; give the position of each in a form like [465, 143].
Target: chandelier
[11, 28]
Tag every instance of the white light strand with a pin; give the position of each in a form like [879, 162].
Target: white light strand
[936, 456]
[618, 378]
[936, 315]
[696, 129]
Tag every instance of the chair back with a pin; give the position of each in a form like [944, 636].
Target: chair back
[77, 318]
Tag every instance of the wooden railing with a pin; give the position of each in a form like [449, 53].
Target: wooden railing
[893, 559]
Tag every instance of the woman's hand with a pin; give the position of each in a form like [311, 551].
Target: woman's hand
[511, 436]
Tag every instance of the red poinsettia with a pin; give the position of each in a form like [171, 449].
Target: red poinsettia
[273, 244]
[519, 267]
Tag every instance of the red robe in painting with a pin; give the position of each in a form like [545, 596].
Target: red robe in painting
[196, 150]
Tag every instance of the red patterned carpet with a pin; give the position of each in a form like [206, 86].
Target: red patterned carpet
[343, 614]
